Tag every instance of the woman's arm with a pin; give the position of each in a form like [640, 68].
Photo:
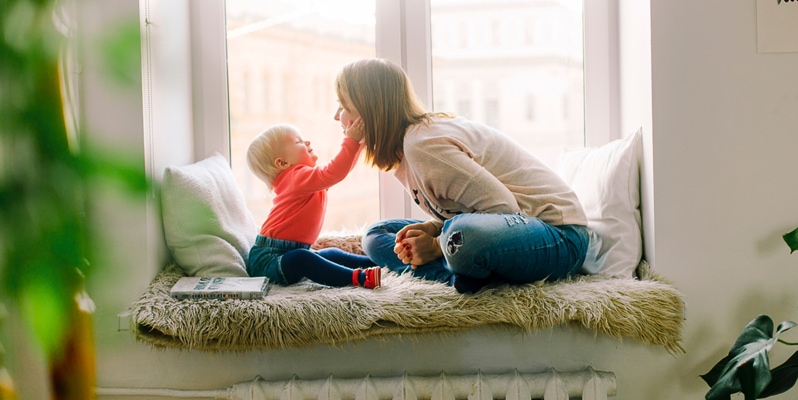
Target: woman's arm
[450, 174]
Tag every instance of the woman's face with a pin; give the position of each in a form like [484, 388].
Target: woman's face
[346, 112]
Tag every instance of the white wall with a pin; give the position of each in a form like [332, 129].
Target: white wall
[155, 119]
[720, 143]
[166, 84]
[119, 117]
[634, 60]
[724, 149]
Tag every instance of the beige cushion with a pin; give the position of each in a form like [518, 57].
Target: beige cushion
[207, 225]
[607, 181]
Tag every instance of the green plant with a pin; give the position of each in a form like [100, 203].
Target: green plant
[746, 369]
[46, 174]
[792, 240]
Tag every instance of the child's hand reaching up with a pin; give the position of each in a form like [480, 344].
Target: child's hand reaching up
[356, 131]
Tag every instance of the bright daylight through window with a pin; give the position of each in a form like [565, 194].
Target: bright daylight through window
[515, 65]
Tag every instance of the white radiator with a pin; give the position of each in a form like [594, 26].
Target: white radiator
[552, 385]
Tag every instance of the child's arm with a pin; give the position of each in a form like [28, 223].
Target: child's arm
[356, 131]
[322, 177]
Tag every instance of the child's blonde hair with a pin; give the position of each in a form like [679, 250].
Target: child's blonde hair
[263, 151]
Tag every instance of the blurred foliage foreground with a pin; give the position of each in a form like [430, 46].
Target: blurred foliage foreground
[46, 171]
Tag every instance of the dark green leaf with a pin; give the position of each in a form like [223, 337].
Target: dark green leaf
[783, 377]
[713, 375]
[748, 380]
[747, 361]
[792, 240]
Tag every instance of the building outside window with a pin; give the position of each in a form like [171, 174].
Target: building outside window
[485, 61]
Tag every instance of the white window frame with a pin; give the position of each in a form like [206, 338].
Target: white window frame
[401, 41]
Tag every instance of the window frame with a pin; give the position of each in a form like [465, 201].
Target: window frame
[401, 41]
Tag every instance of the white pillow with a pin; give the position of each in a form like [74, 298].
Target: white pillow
[207, 225]
[607, 181]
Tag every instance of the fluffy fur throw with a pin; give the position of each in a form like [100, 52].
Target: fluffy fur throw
[648, 309]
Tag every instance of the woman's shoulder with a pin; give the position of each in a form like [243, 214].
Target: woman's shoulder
[423, 133]
[450, 126]
[458, 129]
[437, 126]
[443, 138]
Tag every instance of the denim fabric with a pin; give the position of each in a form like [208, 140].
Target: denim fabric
[511, 247]
[285, 262]
[379, 241]
[265, 255]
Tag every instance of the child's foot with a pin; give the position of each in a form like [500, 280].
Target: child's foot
[371, 277]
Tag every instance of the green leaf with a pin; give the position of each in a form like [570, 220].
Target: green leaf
[748, 378]
[47, 178]
[122, 51]
[783, 377]
[114, 167]
[792, 240]
[746, 367]
[47, 314]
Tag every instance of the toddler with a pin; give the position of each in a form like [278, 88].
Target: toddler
[286, 163]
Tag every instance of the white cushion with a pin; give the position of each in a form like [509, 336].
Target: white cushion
[607, 181]
[207, 225]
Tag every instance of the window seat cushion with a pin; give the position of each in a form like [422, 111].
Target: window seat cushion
[648, 309]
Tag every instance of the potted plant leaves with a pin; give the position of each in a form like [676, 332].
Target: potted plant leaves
[746, 369]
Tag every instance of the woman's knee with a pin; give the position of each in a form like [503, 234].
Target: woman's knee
[381, 235]
[471, 242]
[374, 238]
[457, 245]
[456, 233]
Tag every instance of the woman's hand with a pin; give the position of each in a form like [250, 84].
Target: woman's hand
[417, 244]
[356, 130]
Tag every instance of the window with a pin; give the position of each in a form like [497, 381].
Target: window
[492, 113]
[504, 70]
[304, 44]
[530, 107]
[450, 50]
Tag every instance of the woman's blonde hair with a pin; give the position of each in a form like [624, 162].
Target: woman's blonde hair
[263, 151]
[383, 95]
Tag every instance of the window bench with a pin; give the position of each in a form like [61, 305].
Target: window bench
[647, 309]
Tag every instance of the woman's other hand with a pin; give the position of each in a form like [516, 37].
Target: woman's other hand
[417, 244]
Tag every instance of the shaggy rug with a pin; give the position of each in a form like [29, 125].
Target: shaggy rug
[648, 309]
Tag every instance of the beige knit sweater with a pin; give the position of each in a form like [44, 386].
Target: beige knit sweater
[458, 166]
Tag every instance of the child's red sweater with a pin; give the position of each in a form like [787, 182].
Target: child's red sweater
[300, 199]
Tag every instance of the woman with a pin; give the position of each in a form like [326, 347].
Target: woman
[498, 212]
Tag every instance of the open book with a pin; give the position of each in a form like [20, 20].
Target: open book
[221, 288]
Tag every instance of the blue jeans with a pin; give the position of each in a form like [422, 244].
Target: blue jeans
[512, 248]
[286, 262]
[378, 243]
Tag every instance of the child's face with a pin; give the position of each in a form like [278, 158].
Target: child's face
[296, 151]
[346, 113]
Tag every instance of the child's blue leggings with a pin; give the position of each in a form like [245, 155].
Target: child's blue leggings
[331, 266]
